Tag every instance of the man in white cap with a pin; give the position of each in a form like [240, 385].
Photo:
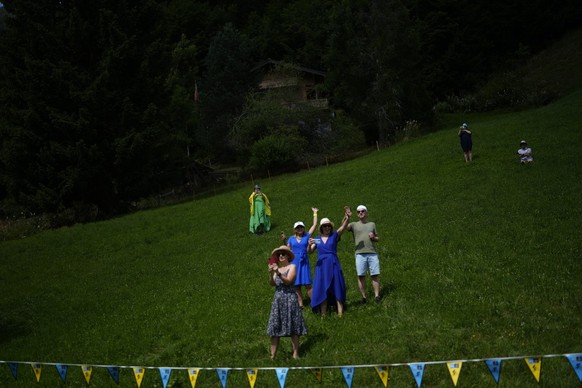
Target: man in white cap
[367, 260]
[524, 153]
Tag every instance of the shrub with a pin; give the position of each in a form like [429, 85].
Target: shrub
[280, 149]
[345, 136]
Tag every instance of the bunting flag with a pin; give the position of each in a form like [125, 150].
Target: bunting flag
[14, 368]
[494, 366]
[575, 361]
[383, 373]
[87, 370]
[165, 376]
[114, 373]
[138, 373]
[193, 375]
[535, 365]
[455, 371]
[317, 372]
[252, 375]
[222, 376]
[417, 371]
[62, 369]
[37, 368]
[348, 375]
[282, 376]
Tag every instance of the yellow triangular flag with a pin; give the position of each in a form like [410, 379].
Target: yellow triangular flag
[252, 375]
[383, 373]
[87, 370]
[193, 375]
[455, 370]
[138, 372]
[317, 373]
[535, 365]
[37, 368]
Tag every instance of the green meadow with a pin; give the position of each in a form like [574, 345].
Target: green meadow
[479, 260]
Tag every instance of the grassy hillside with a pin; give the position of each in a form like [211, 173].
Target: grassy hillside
[478, 260]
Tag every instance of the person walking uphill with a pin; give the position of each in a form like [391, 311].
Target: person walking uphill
[329, 285]
[365, 235]
[260, 221]
[466, 142]
[286, 318]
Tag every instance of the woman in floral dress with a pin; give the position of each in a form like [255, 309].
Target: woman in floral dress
[286, 318]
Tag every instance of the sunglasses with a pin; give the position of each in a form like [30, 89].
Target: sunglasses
[361, 211]
[326, 226]
[282, 254]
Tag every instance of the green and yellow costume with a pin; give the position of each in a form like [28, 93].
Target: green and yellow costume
[260, 220]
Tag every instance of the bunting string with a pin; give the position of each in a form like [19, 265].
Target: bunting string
[348, 371]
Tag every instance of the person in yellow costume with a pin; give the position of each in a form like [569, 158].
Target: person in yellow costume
[260, 221]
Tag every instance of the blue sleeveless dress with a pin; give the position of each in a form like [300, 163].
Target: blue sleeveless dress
[328, 282]
[301, 259]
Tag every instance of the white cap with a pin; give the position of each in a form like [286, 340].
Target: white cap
[298, 223]
[362, 207]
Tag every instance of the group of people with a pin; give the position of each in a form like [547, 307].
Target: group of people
[290, 271]
[524, 152]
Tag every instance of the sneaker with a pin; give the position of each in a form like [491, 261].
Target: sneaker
[377, 299]
[364, 300]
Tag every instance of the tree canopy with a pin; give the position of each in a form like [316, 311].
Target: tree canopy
[97, 102]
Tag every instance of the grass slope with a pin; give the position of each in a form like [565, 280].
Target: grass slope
[478, 260]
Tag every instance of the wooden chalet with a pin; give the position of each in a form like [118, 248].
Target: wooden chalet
[294, 84]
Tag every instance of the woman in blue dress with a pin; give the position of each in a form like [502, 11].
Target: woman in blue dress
[299, 244]
[329, 286]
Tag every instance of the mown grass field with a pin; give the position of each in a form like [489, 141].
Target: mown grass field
[478, 261]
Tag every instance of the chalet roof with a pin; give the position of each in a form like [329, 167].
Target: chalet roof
[300, 68]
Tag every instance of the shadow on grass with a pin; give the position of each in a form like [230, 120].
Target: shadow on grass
[12, 327]
[386, 290]
[312, 341]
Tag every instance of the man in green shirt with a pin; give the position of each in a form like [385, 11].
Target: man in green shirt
[365, 236]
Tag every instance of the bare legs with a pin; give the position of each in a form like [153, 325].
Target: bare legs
[468, 156]
[294, 344]
[362, 286]
[375, 285]
[274, 346]
[323, 308]
[300, 294]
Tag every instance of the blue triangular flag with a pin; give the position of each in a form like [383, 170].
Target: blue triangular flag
[14, 368]
[282, 376]
[417, 371]
[165, 375]
[114, 372]
[62, 371]
[494, 366]
[348, 375]
[576, 362]
[222, 375]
